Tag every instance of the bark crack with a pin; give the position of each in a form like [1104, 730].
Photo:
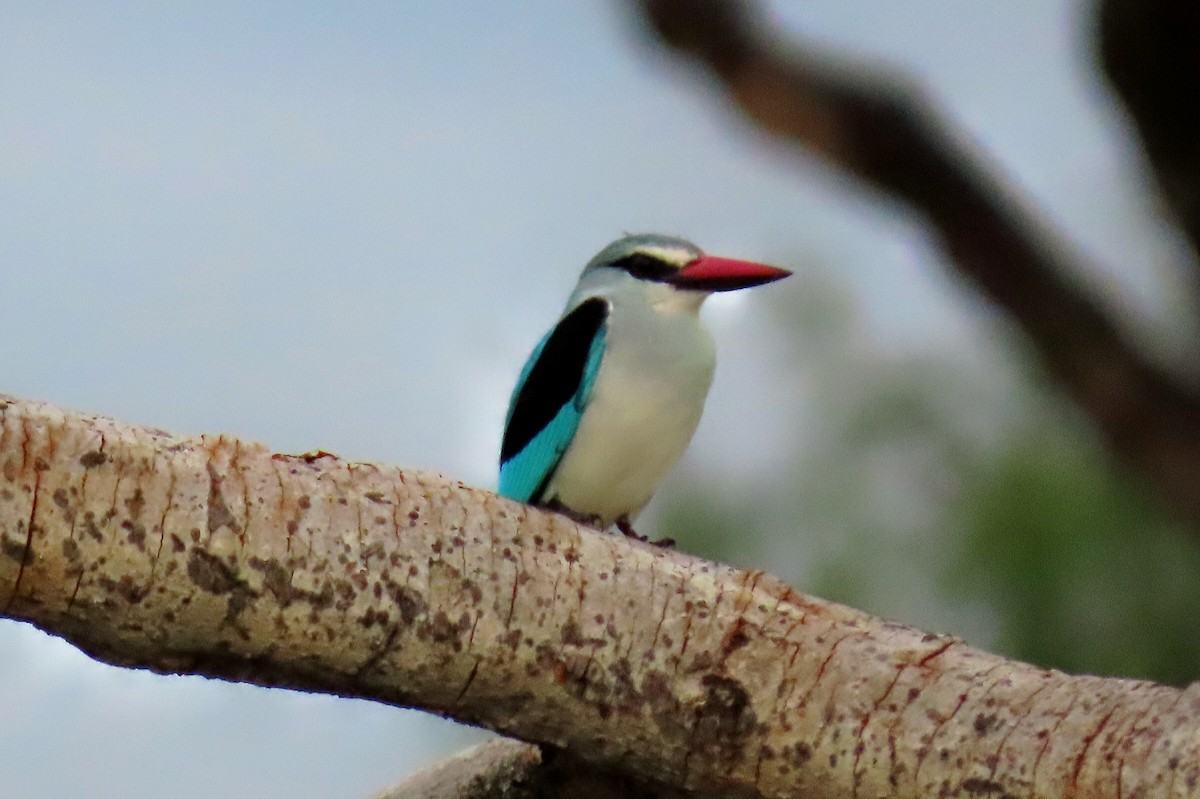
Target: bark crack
[291, 526]
[662, 616]
[380, 653]
[825, 664]
[928, 747]
[1087, 744]
[467, 685]
[1027, 708]
[234, 461]
[1138, 726]
[862, 727]
[941, 650]
[1037, 760]
[27, 555]
[162, 529]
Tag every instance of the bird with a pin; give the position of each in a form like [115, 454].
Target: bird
[610, 397]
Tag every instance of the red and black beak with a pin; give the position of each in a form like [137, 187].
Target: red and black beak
[710, 273]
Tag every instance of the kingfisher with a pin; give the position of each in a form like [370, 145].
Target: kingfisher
[610, 397]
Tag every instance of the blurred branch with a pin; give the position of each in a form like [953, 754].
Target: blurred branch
[881, 131]
[212, 556]
[1150, 50]
[507, 769]
[502, 768]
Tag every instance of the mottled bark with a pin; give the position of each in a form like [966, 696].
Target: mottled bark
[213, 556]
[878, 128]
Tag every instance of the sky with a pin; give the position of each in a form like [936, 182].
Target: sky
[343, 227]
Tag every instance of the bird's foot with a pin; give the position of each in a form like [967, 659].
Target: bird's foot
[589, 520]
[622, 523]
[307, 457]
[626, 528]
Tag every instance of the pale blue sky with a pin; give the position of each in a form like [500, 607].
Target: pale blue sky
[342, 227]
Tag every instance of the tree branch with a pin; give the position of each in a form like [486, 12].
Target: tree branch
[883, 133]
[500, 768]
[213, 556]
[506, 769]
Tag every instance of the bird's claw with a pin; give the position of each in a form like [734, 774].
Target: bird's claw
[626, 528]
[578, 518]
[622, 523]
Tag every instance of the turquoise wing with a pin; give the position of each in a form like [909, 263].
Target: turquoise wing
[550, 398]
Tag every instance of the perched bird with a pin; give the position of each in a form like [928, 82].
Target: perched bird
[610, 397]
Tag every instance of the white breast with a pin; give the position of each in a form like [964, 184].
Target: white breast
[647, 400]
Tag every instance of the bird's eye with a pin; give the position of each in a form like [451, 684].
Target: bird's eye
[646, 267]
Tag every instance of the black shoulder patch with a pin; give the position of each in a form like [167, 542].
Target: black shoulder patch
[555, 377]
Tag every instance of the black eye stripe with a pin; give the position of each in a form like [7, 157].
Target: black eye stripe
[646, 267]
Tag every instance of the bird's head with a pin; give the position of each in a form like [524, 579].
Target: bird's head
[671, 271]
